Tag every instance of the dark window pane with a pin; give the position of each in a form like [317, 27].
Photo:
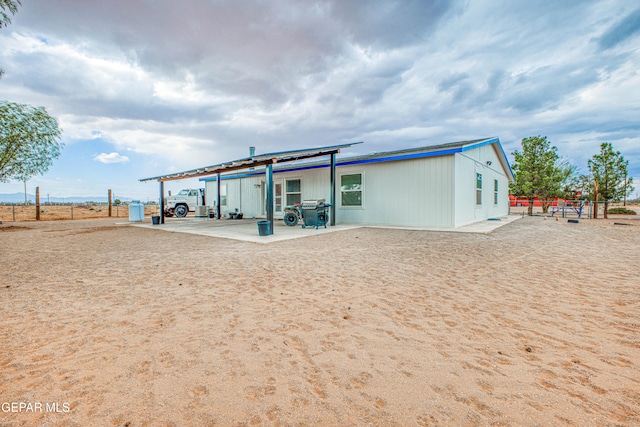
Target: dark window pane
[352, 198]
[293, 186]
[293, 199]
[351, 182]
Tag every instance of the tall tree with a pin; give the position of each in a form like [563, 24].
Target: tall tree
[29, 141]
[539, 172]
[29, 136]
[609, 169]
[6, 7]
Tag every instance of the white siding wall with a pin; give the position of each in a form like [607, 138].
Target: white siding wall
[248, 194]
[242, 194]
[468, 164]
[314, 183]
[415, 193]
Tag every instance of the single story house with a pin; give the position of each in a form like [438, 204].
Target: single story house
[440, 186]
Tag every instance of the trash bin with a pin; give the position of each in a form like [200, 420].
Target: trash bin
[264, 228]
[136, 211]
[155, 220]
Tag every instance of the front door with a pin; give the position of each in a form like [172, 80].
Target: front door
[277, 199]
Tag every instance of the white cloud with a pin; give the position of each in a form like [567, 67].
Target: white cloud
[200, 86]
[111, 158]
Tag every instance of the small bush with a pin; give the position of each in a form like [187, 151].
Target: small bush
[621, 211]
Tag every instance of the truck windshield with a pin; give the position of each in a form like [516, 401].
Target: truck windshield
[183, 193]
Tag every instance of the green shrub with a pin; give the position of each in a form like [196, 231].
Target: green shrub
[621, 211]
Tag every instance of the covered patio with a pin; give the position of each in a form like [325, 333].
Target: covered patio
[262, 160]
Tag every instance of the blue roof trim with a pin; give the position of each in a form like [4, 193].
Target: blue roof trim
[480, 144]
[488, 142]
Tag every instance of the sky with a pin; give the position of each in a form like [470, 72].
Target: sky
[143, 88]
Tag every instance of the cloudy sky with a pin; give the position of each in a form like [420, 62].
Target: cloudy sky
[146, 87]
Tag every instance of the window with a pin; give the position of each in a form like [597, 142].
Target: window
[478, 189]
[495, 191]
[293, 193]
[351, 190]
[223, 195]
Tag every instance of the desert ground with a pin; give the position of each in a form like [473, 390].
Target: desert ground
[106, 324]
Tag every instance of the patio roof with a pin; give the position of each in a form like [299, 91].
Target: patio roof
[253, 161]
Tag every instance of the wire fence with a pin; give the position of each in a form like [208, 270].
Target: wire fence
[565, 208]
[58, 212]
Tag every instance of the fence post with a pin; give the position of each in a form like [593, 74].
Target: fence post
[37, 203]
[595, 197]
[110, 197]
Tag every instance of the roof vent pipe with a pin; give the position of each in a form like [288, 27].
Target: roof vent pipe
[252, 152]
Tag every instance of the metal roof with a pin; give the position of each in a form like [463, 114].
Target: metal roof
[404, 154]
[253, 161]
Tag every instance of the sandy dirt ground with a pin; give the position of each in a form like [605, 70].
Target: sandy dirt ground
[536, 323]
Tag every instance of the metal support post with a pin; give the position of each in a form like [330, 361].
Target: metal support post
[269, 184]
[218, 197]
[161, 202]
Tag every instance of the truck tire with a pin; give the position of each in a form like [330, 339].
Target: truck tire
[290, 218]
[181, 211]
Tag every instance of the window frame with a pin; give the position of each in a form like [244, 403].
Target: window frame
[495, 192]
[223, 194]
[360, 190]
[286, 191]
[478, 189]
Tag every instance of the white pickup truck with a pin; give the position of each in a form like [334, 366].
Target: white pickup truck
[184, 202]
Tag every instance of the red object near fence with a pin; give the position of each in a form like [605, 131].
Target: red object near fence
[518, 201]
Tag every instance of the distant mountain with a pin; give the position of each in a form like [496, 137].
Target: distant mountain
[15, 197]
[19, 198]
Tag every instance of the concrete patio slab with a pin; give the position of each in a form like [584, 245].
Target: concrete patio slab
[247, 229]
[482, 227]
[244, 229]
